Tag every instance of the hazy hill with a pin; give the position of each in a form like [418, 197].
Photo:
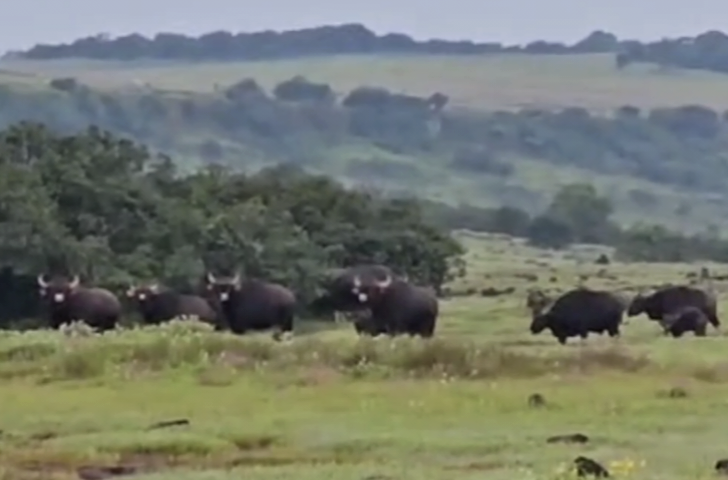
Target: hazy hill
[514, 125]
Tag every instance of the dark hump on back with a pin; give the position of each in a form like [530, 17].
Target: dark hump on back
[583, 299]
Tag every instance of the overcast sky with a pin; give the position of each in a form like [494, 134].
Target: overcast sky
[26, 22]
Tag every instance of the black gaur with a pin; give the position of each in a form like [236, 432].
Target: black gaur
[158, 304]
[671, 299]
[578, 312]
[68, 301]
[252, 304]
[397, 307]
[685, 319]
[339, 293]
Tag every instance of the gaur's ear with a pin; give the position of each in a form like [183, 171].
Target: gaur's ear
[41, 281]
[131, 291]
[236, 280]
[154, 288]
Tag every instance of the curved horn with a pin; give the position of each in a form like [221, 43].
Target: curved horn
[385, 283]
[74, 283]
[357, 281]
[210, 278]
[131, 291]
[154, 287]
[236, 279]
[41, 281]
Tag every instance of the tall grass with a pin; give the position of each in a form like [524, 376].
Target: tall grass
[77, 353]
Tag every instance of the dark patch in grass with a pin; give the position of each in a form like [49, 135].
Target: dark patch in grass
[43, 436]
[536, 400]
[479, 466]
[675, 392]
[568, 438]
[169, 423]
[251, 443]
[90, 472]
[711, 374]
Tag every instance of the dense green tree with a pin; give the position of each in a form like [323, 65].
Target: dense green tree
[106, 208]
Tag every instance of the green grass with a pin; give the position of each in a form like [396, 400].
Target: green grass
[330, 405]
[497, 81]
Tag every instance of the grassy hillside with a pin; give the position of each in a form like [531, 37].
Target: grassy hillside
[493, 81]
[475, 82]
[329, 405]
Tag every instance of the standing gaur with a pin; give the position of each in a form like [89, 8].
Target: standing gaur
[578, 312]
[396, 307]
[668, 300]
[340, 292]
[253, 304]
[158, 304]
[685, 319]
[68, 301]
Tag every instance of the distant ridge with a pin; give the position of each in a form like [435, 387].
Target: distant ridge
[352, 38]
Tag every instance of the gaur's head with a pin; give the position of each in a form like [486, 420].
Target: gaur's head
[369, 292]
[143, 293]
[58, 289]
[637, 305]
[223, 288]
[539, 322]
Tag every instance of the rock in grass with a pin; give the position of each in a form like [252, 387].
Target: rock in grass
[586, 467]
[94, 472]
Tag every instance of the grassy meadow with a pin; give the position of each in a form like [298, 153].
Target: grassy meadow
[492, 81]
[328, 405]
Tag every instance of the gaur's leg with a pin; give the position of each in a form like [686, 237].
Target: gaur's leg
[700, 330]
[713, 319]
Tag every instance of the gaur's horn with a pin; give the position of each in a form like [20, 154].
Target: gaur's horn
[74, 283]
[236, 279]
[357, 281]
[154, 287]
[131, 291]
[210, 277]
[41, 281]
[385, 283]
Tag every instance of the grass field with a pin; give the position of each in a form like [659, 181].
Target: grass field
[327, 405]
[497, 81]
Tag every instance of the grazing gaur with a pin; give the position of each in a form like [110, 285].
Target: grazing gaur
[158, 304]
[670, 299]
[397, 307]
[578, 312]
[253, 304]
[68, 301]
[685, 319]
[340, 290]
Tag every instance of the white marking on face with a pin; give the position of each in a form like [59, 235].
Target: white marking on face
[224, 296]
[58, 297]
[142, 296]
[363, 297]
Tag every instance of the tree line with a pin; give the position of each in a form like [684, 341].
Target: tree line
[579, 214]
[706, 51]
[107, 209]
[300, 122]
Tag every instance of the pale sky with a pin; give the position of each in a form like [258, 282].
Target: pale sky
[27, 22]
